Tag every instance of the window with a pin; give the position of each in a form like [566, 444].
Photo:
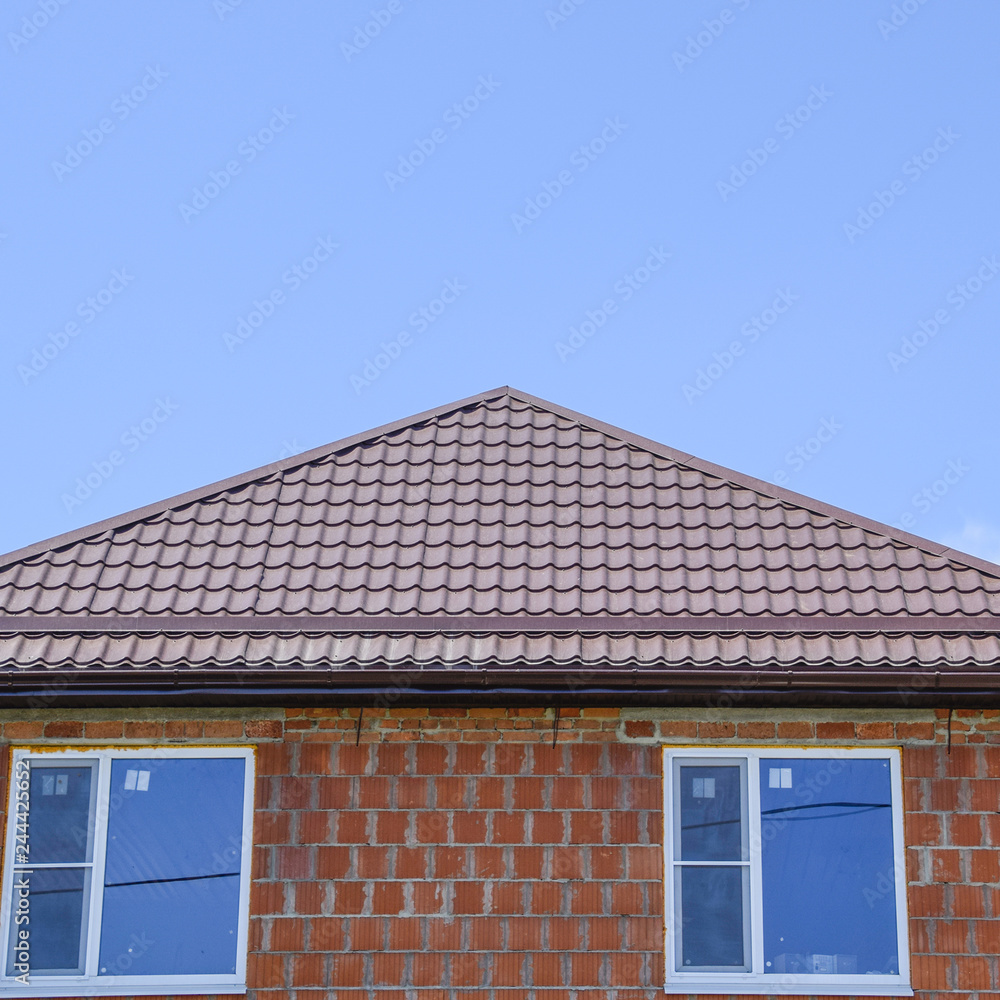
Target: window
[784, 871]
[127, 871]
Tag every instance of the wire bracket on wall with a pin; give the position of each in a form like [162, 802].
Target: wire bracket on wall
[361, 715]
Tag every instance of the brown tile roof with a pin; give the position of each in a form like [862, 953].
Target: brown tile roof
[499, 506]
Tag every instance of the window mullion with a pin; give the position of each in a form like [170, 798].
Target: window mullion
[102, 811]
[756, 888]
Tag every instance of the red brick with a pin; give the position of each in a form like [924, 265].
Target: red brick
[945, 866]
[288, 934]
[444, 934]
[639, 729]
[585, 969]
[525, 933]
[952, 937]
[265, 970]
[411, 862]
[428, 897]
[508, 970]
[835, 730]
[352, 828]
[387, 897]
[312, 827]
[374, 791]
[65, 729]
[263, 729]
[587, 898]
[624, 828]
[509, 758]
[485, 933]
[352, 759]
[566, 934]
[431, 827]
[309, 896]
[267, 897]
[405, 934]
[915, 730]
[274, 758]
[450, 862]
[568, 793]
[567, 863]
[968, 901]
[326, 934]
[984, 796]
[22, 730]
[294, 862]
[366, 933]
[428, 970]
[349, 897]
[964, 830]
[645, 862]
[604, 934]
[373, 862]
[102, 730]
[875, 730]
[546, 969]
[412, 793]
[431, 758]
[626, 898]
[973, 972]
[332, 862]
[716, 730]
[985, 866]
[295, 793]
[546, 827]
[607, 862]
[528, 862]
[586, 828]
[626, 970]
[468, 897]
[923, 828]
[221, 729]
[468, 827]
[489, 793]
[348, 970]
[629, 758]
[755, 730]
[546, 897]
[391, 827]
[944, 794]
[466, 970]
[508, 828]
[488, 862]
[795, 731]
[334, 793]
[529, 792]
[508, 897]
[678, 728]
[388, 968]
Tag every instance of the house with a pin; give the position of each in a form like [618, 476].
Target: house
[499, 703]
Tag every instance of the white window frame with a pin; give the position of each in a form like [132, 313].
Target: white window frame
[757, 980]
[92, 984]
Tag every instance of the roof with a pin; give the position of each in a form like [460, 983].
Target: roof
[442, 542]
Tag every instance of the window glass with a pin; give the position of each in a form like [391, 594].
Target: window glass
[710, 813]
[172, 874]
[712, 929]
[59, 826]
[827, 866]
[56, 926]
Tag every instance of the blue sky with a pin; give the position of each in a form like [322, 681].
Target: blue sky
[764, 233]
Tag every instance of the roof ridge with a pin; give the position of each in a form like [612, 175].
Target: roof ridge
[630, 439]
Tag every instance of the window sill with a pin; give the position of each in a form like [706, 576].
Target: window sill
[119, 987]
[791, 985]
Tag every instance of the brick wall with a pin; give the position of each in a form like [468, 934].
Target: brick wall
[455, 853]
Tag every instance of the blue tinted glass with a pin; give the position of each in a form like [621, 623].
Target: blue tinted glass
[55, 902]
[712, 915]
[59, 814]
[827, 867]
[171, 878]
[711, 828]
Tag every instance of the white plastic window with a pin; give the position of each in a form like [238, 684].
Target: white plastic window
[127, 872]
[784, 872]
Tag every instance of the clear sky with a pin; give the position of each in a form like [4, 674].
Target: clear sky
[764, 233]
